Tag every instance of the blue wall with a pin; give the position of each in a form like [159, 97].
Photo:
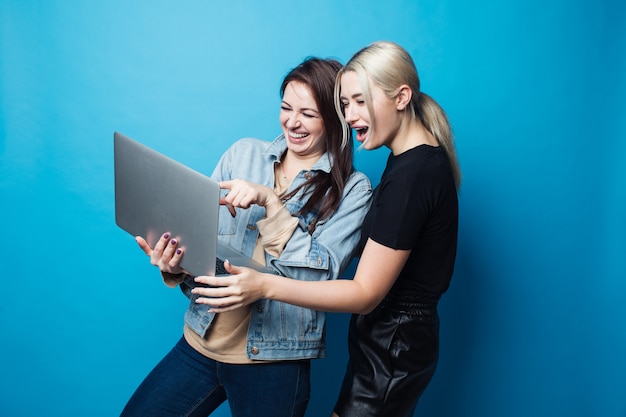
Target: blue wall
[533, 324]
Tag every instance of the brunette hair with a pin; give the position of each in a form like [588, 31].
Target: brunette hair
[389, 66]
[326, 189]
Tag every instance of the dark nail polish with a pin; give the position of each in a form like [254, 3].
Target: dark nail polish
[173, 241]
[178, 251]
[166, 236]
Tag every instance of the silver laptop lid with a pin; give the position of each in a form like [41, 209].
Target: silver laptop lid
[155, 194]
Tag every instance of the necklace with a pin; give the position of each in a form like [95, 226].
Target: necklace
[282, 171]
[281, 185]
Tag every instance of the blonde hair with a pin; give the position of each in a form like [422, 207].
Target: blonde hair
[389, 66]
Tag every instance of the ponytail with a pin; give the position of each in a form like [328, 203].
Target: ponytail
[435, 120]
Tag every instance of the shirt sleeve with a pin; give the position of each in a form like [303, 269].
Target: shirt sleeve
[401, 211]
[173, 280]
[276, 231]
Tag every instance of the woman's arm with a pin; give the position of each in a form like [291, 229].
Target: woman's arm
[320, 256]
[376, 273]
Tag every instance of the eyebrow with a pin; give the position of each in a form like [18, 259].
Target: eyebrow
[356, 95]
[302, 109]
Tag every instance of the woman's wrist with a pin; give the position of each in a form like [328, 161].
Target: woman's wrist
[265, 287]
[273, 205]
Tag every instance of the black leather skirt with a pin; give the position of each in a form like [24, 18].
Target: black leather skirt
[393, 356]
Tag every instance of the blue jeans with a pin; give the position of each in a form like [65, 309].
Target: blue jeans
[186, 383]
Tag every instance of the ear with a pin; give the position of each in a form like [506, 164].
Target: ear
[403, 98]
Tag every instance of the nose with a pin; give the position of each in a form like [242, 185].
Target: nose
[350, 115]
[293, 120]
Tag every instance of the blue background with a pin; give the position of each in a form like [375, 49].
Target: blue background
[533, 324]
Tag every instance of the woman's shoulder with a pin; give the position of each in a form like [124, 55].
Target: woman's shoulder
[359, 180]
[424, 170]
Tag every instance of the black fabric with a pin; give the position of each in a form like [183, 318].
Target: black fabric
[415, 207]
[393, 356]
[394, 349]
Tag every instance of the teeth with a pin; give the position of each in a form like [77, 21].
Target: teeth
[298, 135]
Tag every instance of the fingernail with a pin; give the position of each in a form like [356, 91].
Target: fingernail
[178, 251]
[166, 236]
[173, 241]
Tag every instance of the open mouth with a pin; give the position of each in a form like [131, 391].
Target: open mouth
[295, 135]
[361, 133]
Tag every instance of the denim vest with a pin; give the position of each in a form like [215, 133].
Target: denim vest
[280, 331]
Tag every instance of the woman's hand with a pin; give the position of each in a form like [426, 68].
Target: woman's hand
[229, 292]
[166, 254]
[243, 194]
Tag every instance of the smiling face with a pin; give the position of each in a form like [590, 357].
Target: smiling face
[358, 115]
[301, 121]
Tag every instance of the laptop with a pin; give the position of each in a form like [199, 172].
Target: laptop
[155, 194]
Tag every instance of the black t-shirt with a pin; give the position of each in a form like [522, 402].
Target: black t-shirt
[415, 207]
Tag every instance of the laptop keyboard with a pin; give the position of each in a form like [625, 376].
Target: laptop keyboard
[220, 269]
